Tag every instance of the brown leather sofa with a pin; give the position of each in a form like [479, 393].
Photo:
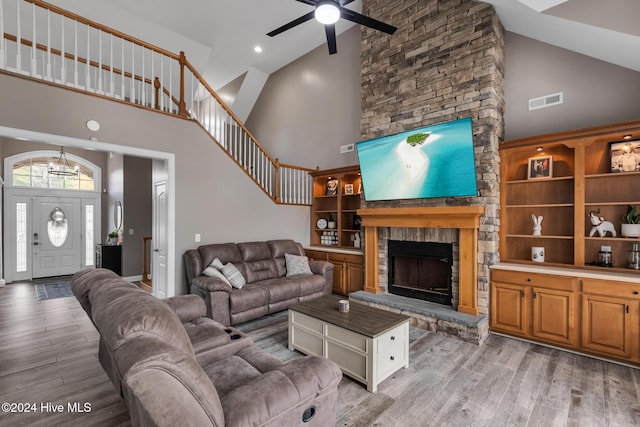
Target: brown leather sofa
[174, 366]
[268, 288]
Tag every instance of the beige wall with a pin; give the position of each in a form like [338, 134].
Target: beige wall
[595, 92]
[311, 107]
[213, 196]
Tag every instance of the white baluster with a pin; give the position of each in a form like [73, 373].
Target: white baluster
[87, 70]
[122, 70]
[99, 60]
[75, 54]
[49, 45]
[63, 59]
[111, 65]
[161, 83]
[34, 66]
[18, 39]
[133, 74]
[3, 48]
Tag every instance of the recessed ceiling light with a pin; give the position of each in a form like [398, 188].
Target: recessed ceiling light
[257, 49]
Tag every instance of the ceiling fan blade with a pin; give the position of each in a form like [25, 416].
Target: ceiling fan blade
[352, 16]
[344, 2]
[285, 27]
[309, 2]
[330, 29]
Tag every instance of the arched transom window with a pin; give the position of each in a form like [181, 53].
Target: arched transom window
[31, 169]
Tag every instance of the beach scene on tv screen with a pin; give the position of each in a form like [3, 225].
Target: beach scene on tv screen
[433, 161]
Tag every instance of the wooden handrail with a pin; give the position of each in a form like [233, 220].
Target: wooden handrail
[103, 28]
[228, 110]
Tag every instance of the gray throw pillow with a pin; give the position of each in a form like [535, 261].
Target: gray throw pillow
[233, 275]
[297, 265]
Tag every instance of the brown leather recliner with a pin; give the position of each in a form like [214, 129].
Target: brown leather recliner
[174, 366]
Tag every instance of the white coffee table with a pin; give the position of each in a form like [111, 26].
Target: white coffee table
[369, 344]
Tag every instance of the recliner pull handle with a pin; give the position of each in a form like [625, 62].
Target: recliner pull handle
[308, 414]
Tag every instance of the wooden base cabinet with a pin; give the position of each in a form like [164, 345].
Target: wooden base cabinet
[535, 306]
[611, 319]
[596, 316]
[348, 272]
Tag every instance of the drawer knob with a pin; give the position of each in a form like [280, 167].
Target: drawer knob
[635, 292]
[528, 279]
[392, 358]
[394, 338]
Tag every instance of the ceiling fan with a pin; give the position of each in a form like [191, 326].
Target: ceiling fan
[328, 12]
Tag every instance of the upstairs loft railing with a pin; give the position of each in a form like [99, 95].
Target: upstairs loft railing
[44, 42]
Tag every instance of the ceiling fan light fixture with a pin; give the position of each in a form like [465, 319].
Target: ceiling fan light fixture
[327, 12]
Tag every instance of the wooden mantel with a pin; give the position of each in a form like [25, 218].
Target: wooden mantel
[465, 218]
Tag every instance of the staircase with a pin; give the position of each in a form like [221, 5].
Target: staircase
[41, 41]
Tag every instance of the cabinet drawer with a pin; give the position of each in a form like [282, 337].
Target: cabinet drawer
[354, 259]
[393, 339]
[611, 288]
[308, 322]
[306, 341]
[318, 255]
[534, 279]
[347, 338]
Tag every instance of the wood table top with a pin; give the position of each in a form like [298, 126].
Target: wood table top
[362, 319]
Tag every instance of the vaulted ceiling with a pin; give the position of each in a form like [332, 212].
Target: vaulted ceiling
[219, 36]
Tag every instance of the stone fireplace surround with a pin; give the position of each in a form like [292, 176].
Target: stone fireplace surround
[460, 224]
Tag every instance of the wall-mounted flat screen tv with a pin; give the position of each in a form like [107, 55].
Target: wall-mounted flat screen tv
[429, 162]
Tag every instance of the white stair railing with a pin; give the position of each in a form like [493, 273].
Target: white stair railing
[45, 42]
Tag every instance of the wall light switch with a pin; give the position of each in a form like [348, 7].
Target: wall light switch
[131, 232]
[197, 237]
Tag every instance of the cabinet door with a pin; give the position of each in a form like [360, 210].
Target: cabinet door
[606, 325]
[338, 278]
[554, 316]
[509, 308]
[355, 278]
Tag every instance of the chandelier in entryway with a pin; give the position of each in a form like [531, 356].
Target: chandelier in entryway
[62, 167]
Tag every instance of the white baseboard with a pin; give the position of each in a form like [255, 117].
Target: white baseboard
[133, 278]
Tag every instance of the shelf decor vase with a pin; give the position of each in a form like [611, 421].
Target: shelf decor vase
[630, 230]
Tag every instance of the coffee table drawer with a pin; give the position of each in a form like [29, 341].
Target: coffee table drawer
[347, 338]
[352, 363]
[306, 341]
[308, 322]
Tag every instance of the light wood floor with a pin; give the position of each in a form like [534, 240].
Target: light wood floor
[48, 353]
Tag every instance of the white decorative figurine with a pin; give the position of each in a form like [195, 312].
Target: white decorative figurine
[600, 225]
[537, 225]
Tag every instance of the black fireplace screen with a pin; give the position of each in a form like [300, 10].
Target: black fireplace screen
[420, 270]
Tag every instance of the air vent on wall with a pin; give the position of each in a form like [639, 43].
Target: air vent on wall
[545, 101]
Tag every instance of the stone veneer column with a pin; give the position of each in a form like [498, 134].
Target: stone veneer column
[445, 62]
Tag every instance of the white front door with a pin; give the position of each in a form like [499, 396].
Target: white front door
[159, 258]
[57, 240]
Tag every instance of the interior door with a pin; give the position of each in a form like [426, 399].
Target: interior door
[159, 269]
[57, 248]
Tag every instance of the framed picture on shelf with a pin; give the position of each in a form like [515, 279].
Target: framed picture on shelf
[332, 186]
[540, 167]
[348, 189]
[625, 156]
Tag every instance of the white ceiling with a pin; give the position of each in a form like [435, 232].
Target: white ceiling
[219, 35]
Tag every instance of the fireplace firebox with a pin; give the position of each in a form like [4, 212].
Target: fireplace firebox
[420, 270]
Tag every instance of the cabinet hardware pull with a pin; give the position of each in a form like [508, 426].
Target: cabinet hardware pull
[393, 358]
[528, 279]
[627, 309]
[522, 294]
[635, 292]
[393, 338]
[534, 295]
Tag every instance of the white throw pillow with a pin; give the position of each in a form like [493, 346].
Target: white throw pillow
[212, 272]
[217, 264]
[233, 275]
[297, 265]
